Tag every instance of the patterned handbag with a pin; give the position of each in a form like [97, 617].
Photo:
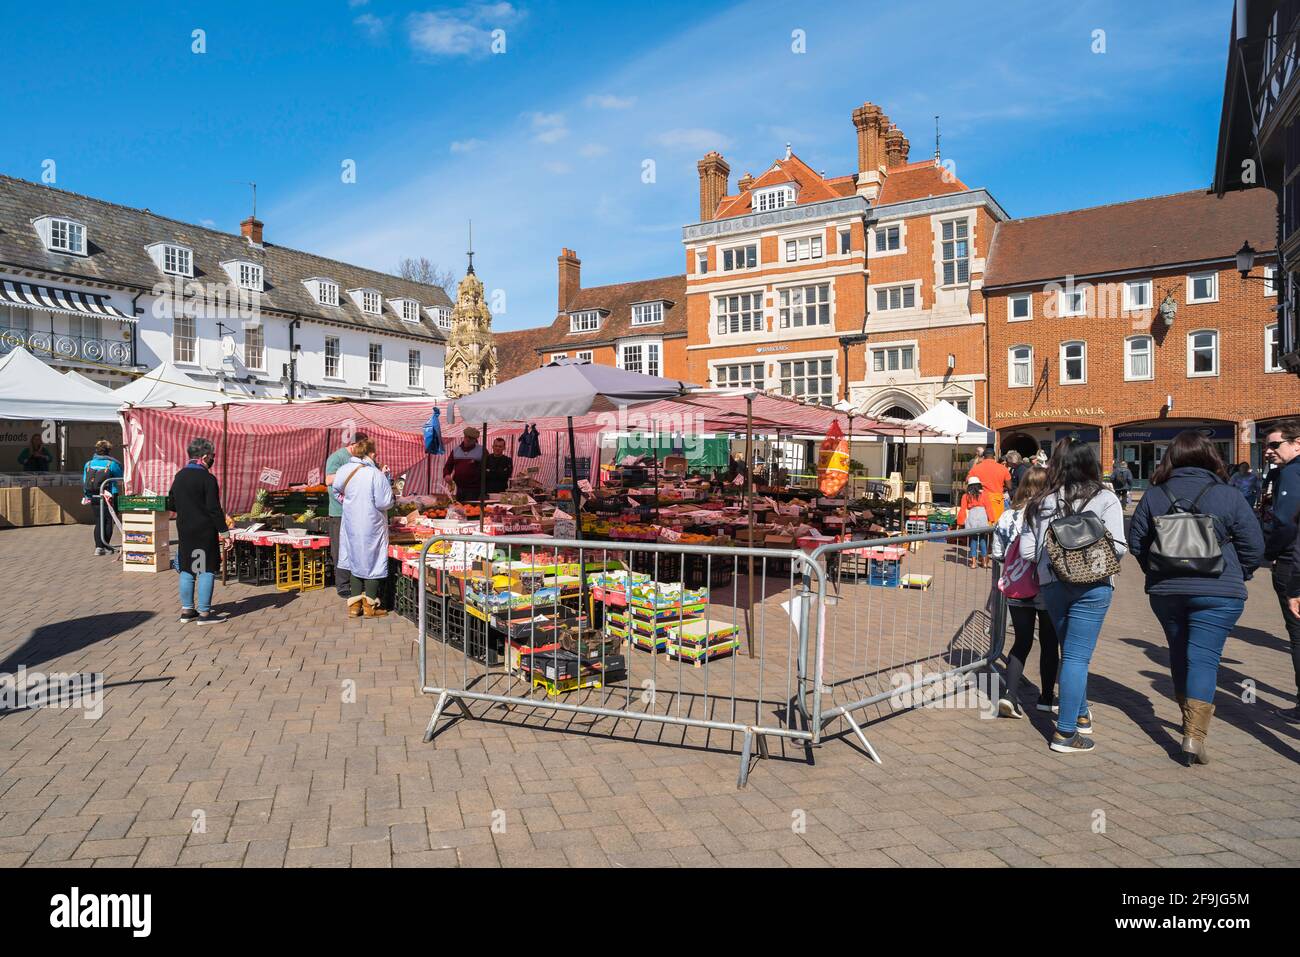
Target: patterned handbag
[1080, 549]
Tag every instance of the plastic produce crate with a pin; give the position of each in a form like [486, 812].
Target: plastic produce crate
[143, 503]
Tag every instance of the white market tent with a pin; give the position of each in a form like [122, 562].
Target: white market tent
[74, 376]
[167, 385]
[31, 390]
[956, 427]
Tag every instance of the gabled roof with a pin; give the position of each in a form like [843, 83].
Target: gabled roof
[811, 186]
[520, 350]
[899, 185]
[118, 236]
[1143, 234]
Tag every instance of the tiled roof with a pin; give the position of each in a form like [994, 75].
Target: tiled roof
[617, 300]
[898, 185]
[917, 181]
[117, 237]
[1162, 231]
[517, 351]
[812, 187]
[520, 350]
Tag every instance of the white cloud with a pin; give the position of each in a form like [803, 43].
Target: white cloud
[372, 26]
[462, 31]
[465, 146]
[548, 127]
[556, 167]
[592, 150]
[692, 138]
[608, 101]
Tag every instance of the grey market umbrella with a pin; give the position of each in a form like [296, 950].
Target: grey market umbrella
[565, 387]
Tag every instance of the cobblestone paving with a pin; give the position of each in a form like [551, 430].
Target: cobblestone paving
[242, 726]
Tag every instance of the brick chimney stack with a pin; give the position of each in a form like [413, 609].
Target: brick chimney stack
[251, 228]
[896, 148]
[714, 173]
[745, 181]
[570, 277]
[871, 122]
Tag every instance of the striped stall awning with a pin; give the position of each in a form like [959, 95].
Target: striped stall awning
[30, 296]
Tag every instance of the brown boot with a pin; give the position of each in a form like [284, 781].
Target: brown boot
[373, 610]
[355, 606]
[1196, 725]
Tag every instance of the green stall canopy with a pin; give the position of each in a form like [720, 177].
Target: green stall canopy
[701, 453]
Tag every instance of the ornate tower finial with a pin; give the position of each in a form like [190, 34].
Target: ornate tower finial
[470, 271]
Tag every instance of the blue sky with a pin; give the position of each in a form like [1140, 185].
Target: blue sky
[543, 145]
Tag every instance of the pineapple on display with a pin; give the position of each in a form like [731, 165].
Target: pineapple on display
[259, 504]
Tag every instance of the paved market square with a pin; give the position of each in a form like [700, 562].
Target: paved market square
[233, 745]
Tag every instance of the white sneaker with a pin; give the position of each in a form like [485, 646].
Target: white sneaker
[1009, 709]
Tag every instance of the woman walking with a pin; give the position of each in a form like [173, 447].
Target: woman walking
[1074, 496]
[1018, 579]
[367, 495]
[200, 520]
[1198, 541]
[976, 511]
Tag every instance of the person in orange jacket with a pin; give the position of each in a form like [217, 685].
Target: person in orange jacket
[996, 479]
[975, 511]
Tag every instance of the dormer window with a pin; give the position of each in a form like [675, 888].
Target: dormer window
[324, 291]
[250, 276]
[368, 301]
[441, 316]
[408, 309]
[245, 274]
[646, 313]
[62, 235]
[588, 321]
[776, 197]
[172, 259]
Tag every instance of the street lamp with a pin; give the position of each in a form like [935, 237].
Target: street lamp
[1246, 262]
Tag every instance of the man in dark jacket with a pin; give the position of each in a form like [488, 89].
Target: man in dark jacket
[200, 520]
[1282, 451]
[499, 468]
[1121, 480]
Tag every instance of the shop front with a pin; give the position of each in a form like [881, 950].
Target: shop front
[1142, 445]
[1029, 440]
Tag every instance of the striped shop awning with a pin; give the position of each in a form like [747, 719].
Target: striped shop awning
[31, 296]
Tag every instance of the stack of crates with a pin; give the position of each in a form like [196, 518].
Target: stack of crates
[254, 564]
[467, 632]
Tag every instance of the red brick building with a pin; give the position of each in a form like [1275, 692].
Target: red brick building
[855, 286]
[1125, 324]
[639, 325]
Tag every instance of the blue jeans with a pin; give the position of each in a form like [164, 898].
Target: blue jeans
[1077, 613]
[1196, 627]
[979, 546]
[206, 582]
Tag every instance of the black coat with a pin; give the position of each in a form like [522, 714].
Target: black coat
[196, 500]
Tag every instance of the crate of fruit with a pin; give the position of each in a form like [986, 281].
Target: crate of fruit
[143, 503]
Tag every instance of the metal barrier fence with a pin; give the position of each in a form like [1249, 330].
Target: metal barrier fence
[705, 643]
[938, 616]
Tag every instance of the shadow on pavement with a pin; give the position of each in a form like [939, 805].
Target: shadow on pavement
[58, 638]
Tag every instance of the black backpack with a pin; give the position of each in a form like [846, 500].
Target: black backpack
[94, 478]
[1185, 541]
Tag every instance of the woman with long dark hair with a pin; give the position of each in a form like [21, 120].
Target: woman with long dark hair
[1196, 599]
[1077, 610]
[1025, 612]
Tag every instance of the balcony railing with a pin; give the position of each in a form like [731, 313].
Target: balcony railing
[64, 347]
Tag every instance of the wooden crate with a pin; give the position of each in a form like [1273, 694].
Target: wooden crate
[145, 546]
